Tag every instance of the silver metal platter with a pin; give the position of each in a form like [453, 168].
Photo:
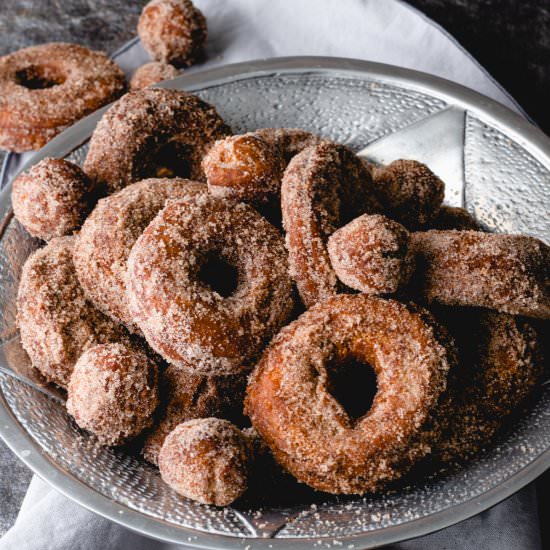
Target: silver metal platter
[496, 164]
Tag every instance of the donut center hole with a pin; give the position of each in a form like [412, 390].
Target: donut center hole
[38, 78]
[353, 384]
[171, 161]
[219, 275]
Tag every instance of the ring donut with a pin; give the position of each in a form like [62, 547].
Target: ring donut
[152, 132]
[108, 234]
[290, 404]
[324, 187]
[184, 316]
[508, 273]
[56, 321]
[44, 89]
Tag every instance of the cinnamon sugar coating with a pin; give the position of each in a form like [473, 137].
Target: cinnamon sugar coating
[371, 254]
[152, 132]
[508, 273]
[245, 167]
[501, 363]
[152, 73]
[186, 396]
[409, 192]
[53, 198]
[183, 318]
[324, 187]
[290, 141]
[172, 31]
[108, 234]
[113, 392]
[44, 89]
[206, 460]
[309, 432]
[56, 321]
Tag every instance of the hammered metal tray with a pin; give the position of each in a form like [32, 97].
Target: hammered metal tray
[496, 164]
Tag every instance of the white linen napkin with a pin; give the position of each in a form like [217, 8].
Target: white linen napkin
[387, 31]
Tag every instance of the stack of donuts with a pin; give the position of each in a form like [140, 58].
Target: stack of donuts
[219, 299]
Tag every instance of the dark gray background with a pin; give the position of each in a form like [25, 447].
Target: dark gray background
[511, 38]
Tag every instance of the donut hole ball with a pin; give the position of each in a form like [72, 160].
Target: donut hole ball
[372, 254]
[172, 31]
[245, 167]
[39, 77]
[53, 198]
[152, 73]
[409, 192]
[113, 392]
[206, 460]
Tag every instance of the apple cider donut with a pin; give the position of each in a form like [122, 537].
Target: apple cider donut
[175, 279]
[152, 73]
[290, 403]
[53, 198]
[500, 364]
[44, 89]
[244, 167]
[371, 254]
[452, 217]
[152, 132]
[409, 192]
[206, 460]
[106, 238]
[113, 392]
[56, 321]
[186, 396]
[324, 187]
[508, 273]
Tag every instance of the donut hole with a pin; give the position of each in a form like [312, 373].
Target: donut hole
[353, 384]
[219, 275]
[37, 77]
[171, 160]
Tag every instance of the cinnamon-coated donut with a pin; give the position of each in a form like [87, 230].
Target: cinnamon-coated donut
[172, 31]
[500, 364]
[409, 192]
[186, 320]
[44, 89]
[152, 132]
[152, 73]
[324, 187]
[186, 396]
[372, 254]
[56, 321]
[113, 392]
[508, 273]
[245, 167]
[108, 234]
[290, 403]
[206, 460]
[53, 198]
